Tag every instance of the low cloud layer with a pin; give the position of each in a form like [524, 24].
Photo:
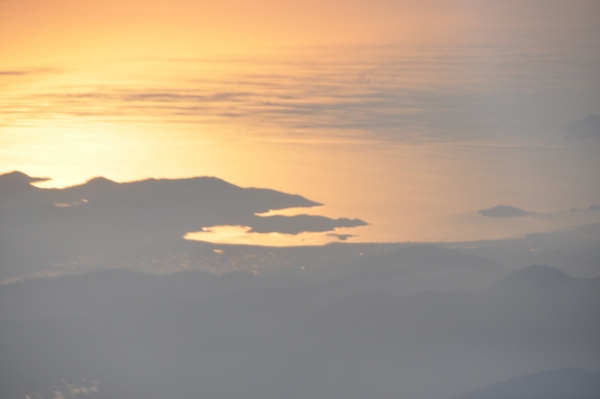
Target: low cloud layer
[381, 92]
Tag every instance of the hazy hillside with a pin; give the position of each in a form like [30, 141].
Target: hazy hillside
[413, 269]
[259, 337]
[138, 312]
[553, 384]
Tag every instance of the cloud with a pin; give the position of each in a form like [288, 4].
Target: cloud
[27, 71]
[442, 96]
[504, 211]
[13, 73]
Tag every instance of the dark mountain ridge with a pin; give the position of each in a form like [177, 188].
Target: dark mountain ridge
[40, 227]
[567, 383]
[257, 337]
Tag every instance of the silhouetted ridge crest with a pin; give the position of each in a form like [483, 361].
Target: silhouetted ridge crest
[428, 256]
[504, 211]
[532, 279]
[20, 177]
[540, 274]
[206, 180]
[101, 181]
[568, 383]
[588, 128]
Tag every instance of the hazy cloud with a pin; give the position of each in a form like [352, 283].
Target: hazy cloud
[13, 73]
[382, 93]
[27, 71]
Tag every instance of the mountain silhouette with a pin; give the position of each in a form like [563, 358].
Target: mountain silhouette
[543, 280]
[504, 211]
[368, 320]
[537, 274]
[416, 268]
[588, 128]
[20, 178]
[40, 227]
[554, 384]
[246, 336]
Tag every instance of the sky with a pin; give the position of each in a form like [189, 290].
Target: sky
[409, 115]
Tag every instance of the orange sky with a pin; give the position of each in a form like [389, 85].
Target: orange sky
[70, 30]
[38, 32]
[410, 115]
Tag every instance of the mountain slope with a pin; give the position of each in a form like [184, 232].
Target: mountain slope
[553, 384]
[272, 338]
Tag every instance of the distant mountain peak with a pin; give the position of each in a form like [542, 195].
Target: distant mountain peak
[426, 247]
[532, 277]
[504, 211]
[587, 128]
[20, 177]
[552, 384]
[541, 274]
[204, 179]
[100, 180]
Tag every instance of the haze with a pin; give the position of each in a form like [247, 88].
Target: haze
[316, 199]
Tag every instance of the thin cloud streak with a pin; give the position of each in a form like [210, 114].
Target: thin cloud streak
[381, 94]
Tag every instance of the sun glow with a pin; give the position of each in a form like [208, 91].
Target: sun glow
[404, 115]
[243, 235]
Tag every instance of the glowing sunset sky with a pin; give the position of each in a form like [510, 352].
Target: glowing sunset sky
[409, 115]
